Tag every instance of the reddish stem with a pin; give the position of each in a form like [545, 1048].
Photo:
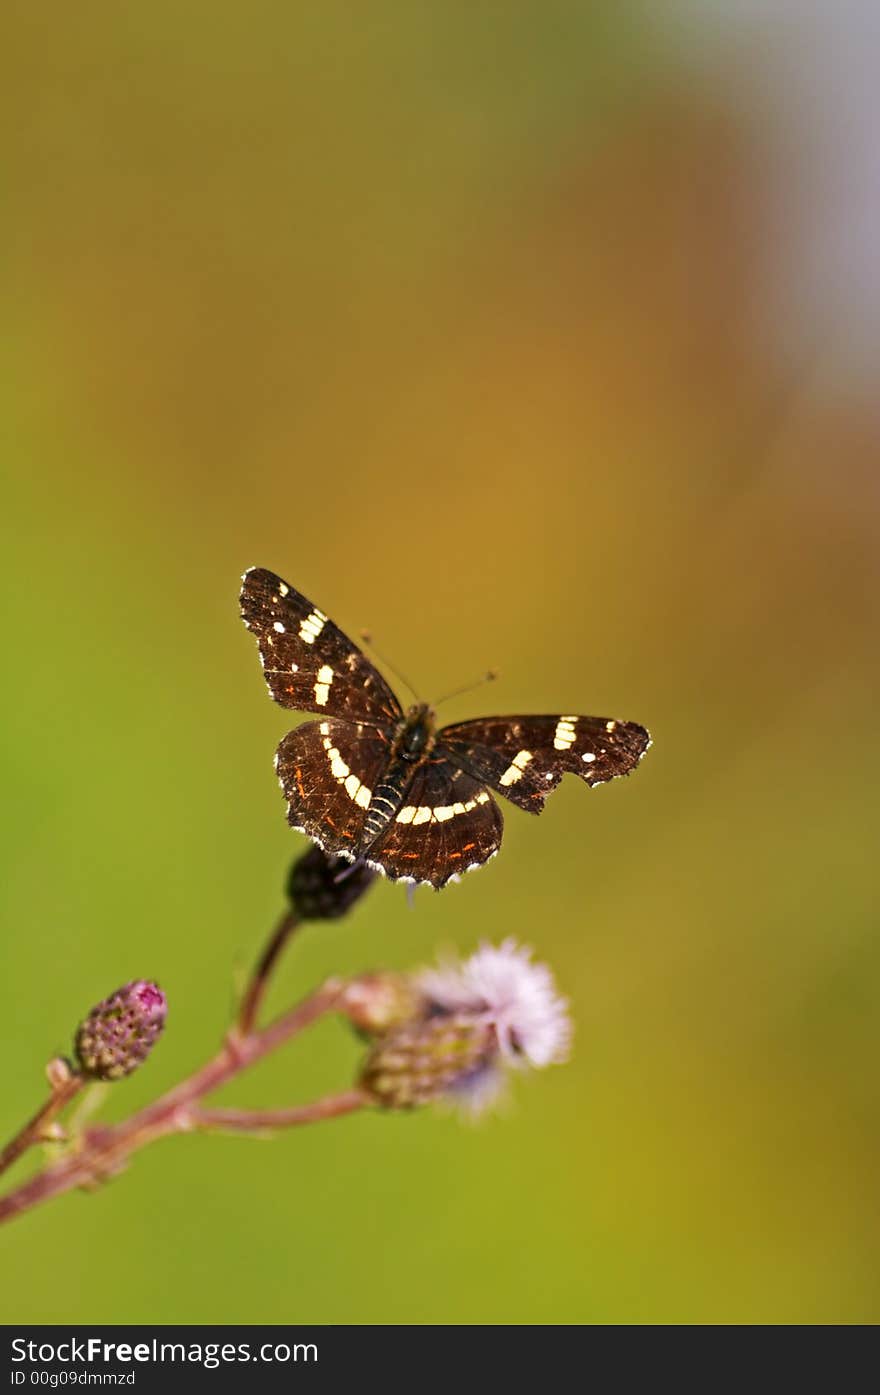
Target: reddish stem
[34, 1129]
[254, 1120]
[256, 989]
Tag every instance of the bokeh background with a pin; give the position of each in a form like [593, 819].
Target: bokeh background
[541, 335]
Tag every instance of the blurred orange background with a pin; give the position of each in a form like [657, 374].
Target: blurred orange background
[508, 332]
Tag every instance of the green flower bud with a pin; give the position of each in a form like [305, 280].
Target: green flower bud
[376, 1003]
[424, 1060]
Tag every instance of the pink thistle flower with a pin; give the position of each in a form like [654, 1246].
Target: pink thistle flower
[501, 985]
[496, 1009]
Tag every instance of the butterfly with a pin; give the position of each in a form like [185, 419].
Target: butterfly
[373, 782]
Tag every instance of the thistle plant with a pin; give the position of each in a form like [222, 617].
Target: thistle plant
[451, 1034]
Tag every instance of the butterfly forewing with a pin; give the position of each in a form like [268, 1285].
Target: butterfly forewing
[448, 824]
[524, 758]
[308, 663]
[328, 771]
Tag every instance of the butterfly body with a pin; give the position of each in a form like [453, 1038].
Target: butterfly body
[370, 781]
[412, 744]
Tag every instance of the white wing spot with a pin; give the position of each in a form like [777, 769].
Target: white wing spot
[283, 588]
[515, 769]
[563, 737]
[352, 785]
[425, 814]
[339, 770]
[363, 797]
[322, 685]
[279, 628]
[312, 626]
[609, 726]
[588, 756]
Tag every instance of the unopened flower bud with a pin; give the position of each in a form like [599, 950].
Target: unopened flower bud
[121, 1031]
[376, 1003]
[324, 888]
[424, 1060]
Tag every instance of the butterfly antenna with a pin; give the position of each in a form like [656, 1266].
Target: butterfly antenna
[367, 639]
[489, 677]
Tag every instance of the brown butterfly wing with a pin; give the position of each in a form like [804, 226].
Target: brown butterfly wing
[328, 771]
[308, 663]
[524, 758]
[448, 824]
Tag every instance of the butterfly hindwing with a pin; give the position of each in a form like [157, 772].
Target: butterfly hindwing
[524, 758]
[449, 823]
[328, 771]
[308, 663]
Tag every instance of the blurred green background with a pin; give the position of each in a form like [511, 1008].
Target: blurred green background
[488, 327]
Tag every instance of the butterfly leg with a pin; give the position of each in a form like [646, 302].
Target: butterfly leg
[345, 872]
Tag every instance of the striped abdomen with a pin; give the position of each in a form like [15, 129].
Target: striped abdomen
[386, 800]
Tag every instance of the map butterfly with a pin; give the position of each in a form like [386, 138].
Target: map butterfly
[372, 782]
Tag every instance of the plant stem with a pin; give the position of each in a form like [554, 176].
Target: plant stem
[34, 1130]
[256, 989]
[258, 1120]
